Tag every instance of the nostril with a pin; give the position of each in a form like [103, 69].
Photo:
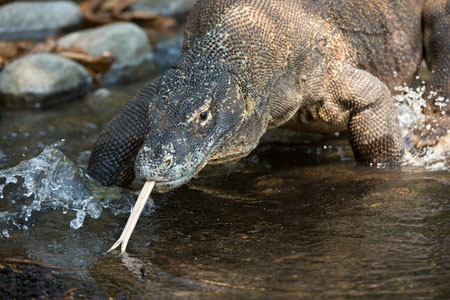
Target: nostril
[166, 163]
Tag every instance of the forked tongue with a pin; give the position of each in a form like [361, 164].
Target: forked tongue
[134, 217]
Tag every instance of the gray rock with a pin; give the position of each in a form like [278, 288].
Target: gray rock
[36, 20]
[167, 52]
[164, 7]
[41, 80]
[127, 43]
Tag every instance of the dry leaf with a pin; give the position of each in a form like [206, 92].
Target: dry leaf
[8, 49]
[97, 19]
[49, 46]
[138, 15]
[89, 5]
[100, 12]
[95, 65]
[116, 6]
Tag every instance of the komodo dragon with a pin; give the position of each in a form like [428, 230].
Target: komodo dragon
[249, 65]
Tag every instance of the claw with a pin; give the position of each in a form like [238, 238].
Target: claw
[134, 216]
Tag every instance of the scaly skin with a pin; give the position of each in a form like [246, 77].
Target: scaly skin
[250, 65]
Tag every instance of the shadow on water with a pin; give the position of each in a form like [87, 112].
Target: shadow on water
[293, 220]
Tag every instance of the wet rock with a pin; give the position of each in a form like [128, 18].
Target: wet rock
[36, 20]
[167, 52]
[164, 7]
[41, 80]
[127, 43]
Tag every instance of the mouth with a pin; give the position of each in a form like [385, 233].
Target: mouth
[165, 186]
[228, 158]
[171, 184]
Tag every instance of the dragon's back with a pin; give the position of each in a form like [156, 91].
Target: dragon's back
[383, 37]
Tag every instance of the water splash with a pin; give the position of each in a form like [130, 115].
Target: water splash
[52, 181]
[418, 128]
[78, 221]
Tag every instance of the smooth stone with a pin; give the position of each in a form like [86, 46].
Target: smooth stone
[42, 80]
[164, 7]
[127, 43]
[167, 52]
[36, 20]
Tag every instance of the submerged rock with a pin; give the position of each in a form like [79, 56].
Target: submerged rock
[36, 20]
[164, 7]
[41, 80]
[52, 181]
[127, 43]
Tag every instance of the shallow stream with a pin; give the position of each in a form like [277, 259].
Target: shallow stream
[294, 220]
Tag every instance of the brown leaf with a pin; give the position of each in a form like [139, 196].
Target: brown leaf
[101, 12]
[96, 64]
[148, 19]
[139, 15]
[164, 24]
[124, 5]
[49, 46]
[96, 19]
[116, 6]
[8, 49]
[89, 5]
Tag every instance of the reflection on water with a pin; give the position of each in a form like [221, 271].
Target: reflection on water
[293, 220]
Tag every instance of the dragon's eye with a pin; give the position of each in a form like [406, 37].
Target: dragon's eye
[204, 115]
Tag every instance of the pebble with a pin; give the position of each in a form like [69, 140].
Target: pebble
[36, 20]
[164, 7]
[127, 43]
[41, 80]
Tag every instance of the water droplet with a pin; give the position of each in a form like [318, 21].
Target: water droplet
[79, 219]
[65, 208]
[94, 209]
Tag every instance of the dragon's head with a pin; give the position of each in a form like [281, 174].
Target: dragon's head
[191, 118]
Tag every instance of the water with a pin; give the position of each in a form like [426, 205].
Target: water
[295, 219]
[419, 128]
